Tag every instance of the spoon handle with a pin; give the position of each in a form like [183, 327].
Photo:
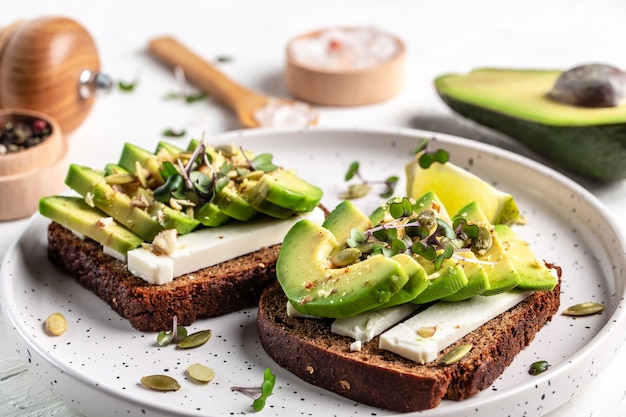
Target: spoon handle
[203, 74]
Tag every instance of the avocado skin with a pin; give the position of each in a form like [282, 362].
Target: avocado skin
[594, 152]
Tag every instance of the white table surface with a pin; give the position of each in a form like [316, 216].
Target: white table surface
[442, 36]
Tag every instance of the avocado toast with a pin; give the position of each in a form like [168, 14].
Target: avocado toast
[188, 233]
[447, 302]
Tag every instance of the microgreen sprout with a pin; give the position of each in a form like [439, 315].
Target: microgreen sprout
[181, 338]
[259, 394]
[197, 179]
[419, 231]
[363, 188]
[428, 157]
[177, 334]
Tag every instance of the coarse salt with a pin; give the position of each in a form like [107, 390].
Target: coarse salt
[277, 113]
[345, 49]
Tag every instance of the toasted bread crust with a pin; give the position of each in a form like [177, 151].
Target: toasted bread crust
[307, 348]
[210, 292]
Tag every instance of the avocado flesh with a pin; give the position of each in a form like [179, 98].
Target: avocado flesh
[133, 154]
[87, 181]
[590, 142]
[417, 283]
[337, 224]
[315, 288]
[75, 214]
[283, 189]
[451, 277]
[477, 279]
[499, 268]
[534, 275]
[228, 200]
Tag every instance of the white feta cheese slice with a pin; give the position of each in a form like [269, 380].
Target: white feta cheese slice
[365, 326]
[451, 321]
[211, 246]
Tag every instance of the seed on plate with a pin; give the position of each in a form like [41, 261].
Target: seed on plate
[195, 339]
[56, 324]
[583, 309]
[200, 373]
[538, 367]
[456, 354]
[160, 382]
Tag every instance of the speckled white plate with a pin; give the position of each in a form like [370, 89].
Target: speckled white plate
[97, 364]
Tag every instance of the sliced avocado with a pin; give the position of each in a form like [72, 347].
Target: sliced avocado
[75, 214]
[145, 222]
[210, 215]
[477, 279]
[284, 189]
[337, 224]
[534, 275]
[417, 283]
[234, 204]
[315, 288]
[225, 205]
[443, 282]
[450, 278]
[498, 266]
[588, 141]
[133, 154]
[92, 185]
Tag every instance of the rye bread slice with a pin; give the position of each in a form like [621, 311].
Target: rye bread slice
[209, 292]
[308, 349]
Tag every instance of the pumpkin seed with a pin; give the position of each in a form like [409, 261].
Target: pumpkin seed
[195, 339]
[345, 257]
[160, 382]
[119, 179]
[426, 331]
[356, 191]
[538, 367]
[583, 309]
[56, 324]
[200, 372]
[456, 354]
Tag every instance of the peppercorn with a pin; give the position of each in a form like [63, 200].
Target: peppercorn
[16, 136]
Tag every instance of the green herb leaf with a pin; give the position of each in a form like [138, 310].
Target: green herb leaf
[126, 86]
[353, 169]
[192, 98]
[263, 162]
[422, 145]
[171, 133]
[402, 209]
[269, 380]
[172, 184]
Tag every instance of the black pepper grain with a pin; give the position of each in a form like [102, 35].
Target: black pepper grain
[16, 136]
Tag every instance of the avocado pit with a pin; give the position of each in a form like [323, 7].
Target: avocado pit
[590, 85]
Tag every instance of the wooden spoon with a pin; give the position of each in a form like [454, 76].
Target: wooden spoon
[241, 100]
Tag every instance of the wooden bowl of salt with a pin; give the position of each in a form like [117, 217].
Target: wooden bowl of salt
[345, 66]
[33, 161]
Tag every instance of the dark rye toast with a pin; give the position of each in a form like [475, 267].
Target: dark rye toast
[209, 292]
[308, 349]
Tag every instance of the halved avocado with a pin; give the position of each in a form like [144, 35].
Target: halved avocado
[587, 141]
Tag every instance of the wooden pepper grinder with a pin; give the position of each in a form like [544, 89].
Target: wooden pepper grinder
[50, 65]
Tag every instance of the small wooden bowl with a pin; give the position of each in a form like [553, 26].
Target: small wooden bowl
[345, 86]
[28, 175]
